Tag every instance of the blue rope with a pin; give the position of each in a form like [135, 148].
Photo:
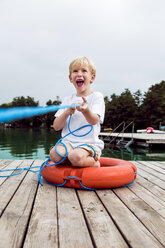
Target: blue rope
[57, 185]
[85, 187]
[69, 177]
[44, 164]
[64, 157]
[60, 142]
[16, 113]
[73, 133]
[21, 170]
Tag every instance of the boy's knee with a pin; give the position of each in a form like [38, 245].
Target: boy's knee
[52, 154]
[76, 158]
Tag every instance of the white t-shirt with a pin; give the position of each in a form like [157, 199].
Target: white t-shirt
[96, 105]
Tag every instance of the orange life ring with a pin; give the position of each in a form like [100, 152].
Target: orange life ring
[111, 174]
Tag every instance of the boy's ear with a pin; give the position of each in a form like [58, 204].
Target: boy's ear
[70, 78]
[93, 78]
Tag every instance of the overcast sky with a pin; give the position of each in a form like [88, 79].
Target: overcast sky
[125, 39]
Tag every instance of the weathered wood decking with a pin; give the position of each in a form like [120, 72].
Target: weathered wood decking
[34, 216]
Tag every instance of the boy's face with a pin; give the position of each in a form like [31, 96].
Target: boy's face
[81, 78]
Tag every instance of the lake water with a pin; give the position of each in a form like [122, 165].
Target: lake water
[35, 144]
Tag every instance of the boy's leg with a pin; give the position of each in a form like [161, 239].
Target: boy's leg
[61, 150]
[82, 158]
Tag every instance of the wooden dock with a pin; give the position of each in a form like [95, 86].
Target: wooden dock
[139, 139]
[37, 216]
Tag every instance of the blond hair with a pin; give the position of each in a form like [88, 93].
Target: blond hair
[79, 62]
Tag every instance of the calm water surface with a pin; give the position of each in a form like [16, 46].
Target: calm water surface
[35, 144]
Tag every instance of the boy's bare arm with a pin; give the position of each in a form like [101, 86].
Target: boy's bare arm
[59, 122]
[91, 118]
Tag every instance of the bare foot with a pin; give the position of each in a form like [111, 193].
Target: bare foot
[97, 164]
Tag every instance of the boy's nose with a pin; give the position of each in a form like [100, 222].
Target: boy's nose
[79, 72]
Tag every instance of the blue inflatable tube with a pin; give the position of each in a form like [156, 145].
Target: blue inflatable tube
[17, 113]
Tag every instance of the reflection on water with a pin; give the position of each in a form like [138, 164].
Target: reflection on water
[35, 144]
[26, 143]
[135, 154]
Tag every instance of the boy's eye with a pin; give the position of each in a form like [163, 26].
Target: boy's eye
[84, 70]
[75, 70]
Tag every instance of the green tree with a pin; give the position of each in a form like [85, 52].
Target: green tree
[120, 108]
[28, 101]
[21, 101]
[6, 105]
[138, 97]
[153, 107]
[49, 118]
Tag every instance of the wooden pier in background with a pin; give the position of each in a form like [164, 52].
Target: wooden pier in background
[34, 216]
[139, 139]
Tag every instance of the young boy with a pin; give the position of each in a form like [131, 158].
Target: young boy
[91, 111]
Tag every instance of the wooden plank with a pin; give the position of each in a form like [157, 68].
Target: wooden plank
[147, 215]
[153, 188]
[105, 218]
[13, 165]
[102, 228]
[155, 202]
[162, 164]
[133, 230]
[14, 219]
[4, 163]
[149, 176]
[140, 136]
[159, 164]
[155, 168]
[156, 141]
[9, 187]
[73, 231]
[143, 165]
[42, 231]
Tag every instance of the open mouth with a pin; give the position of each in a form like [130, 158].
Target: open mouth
[80, 83]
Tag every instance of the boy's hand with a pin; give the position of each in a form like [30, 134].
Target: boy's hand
[70, 111]
[83, 106]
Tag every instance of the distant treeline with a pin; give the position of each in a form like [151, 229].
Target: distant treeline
[145, 110]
